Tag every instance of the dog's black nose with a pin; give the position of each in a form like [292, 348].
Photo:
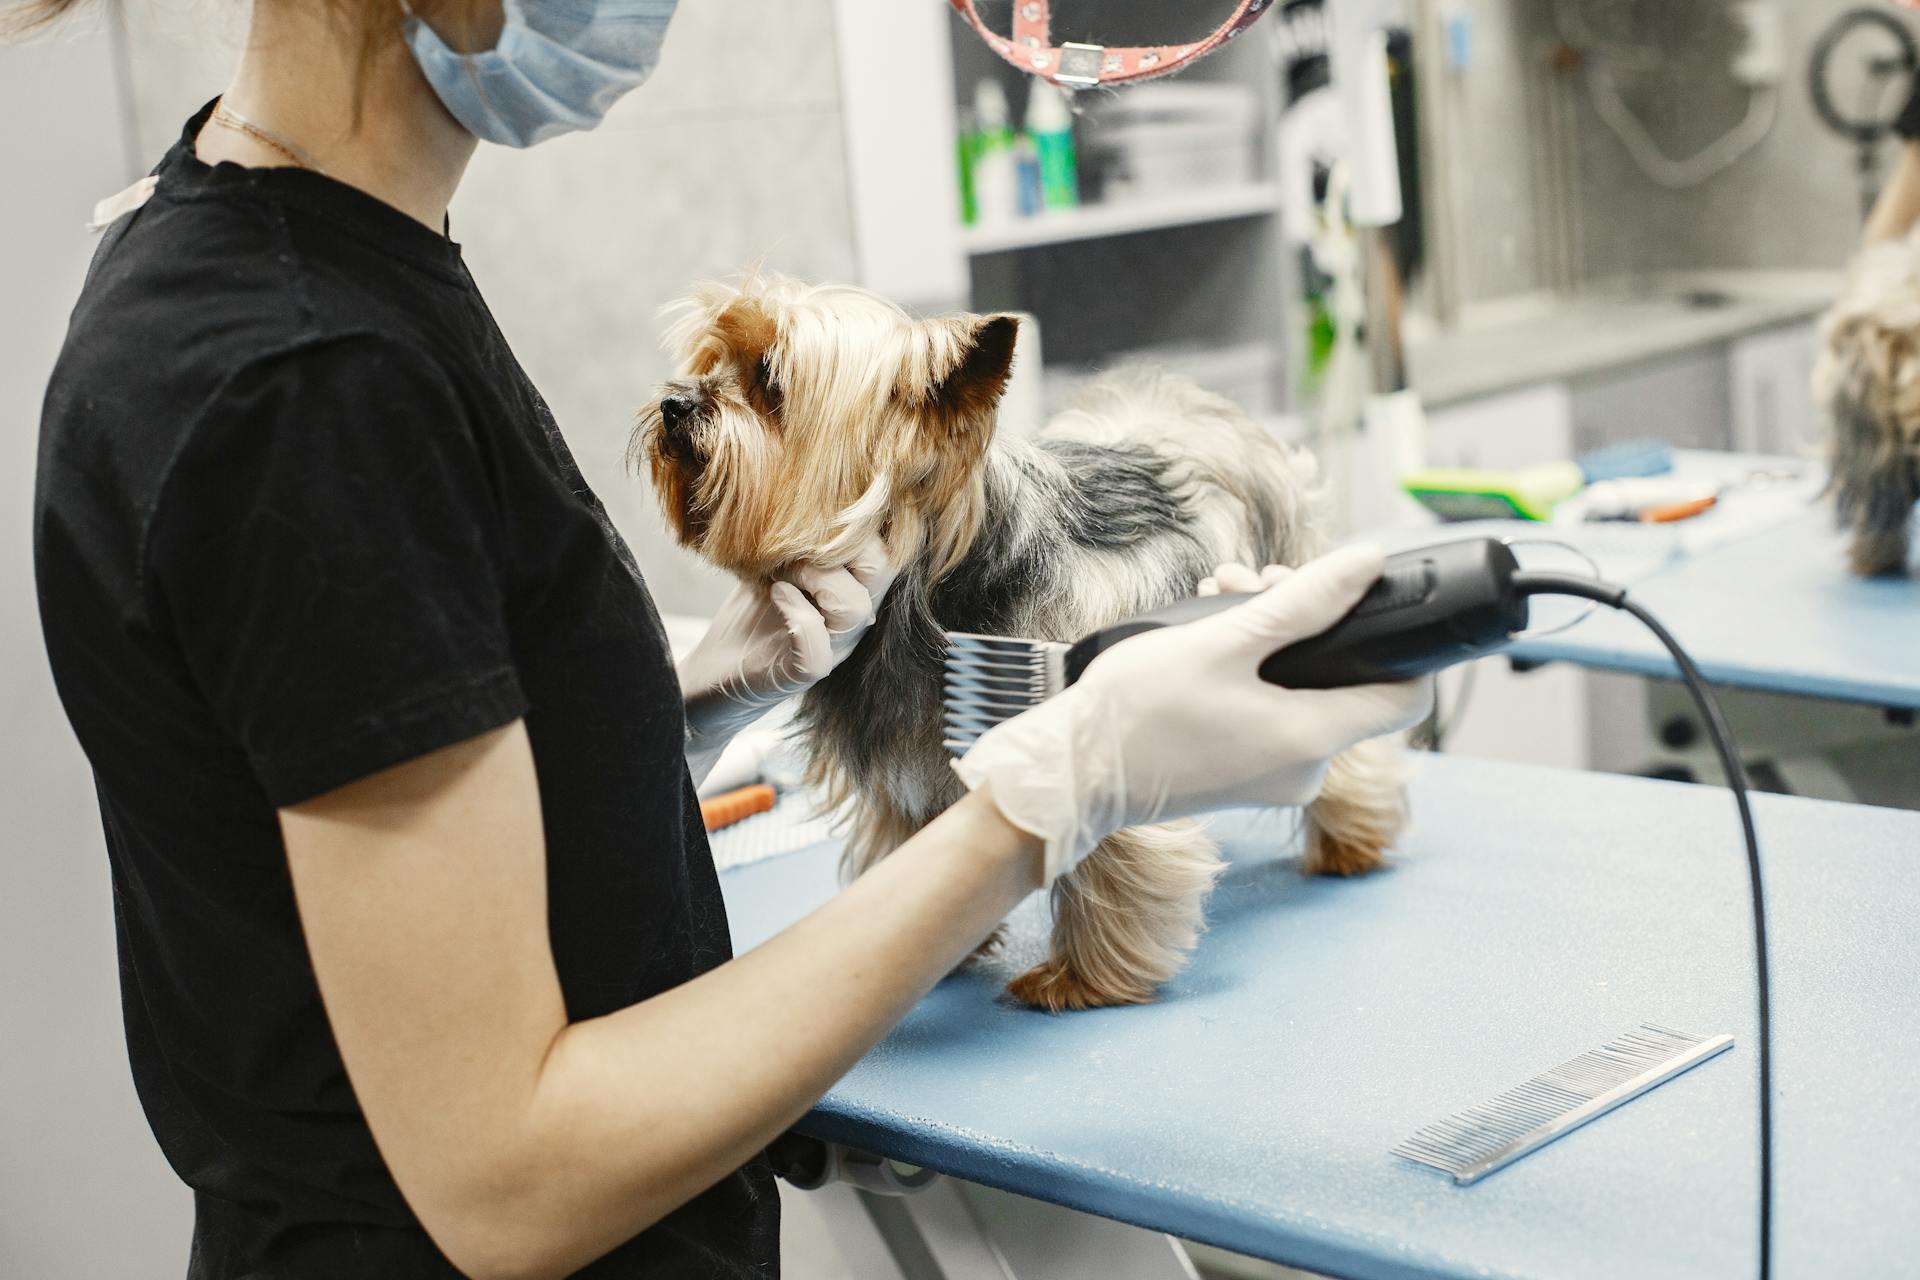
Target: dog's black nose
[675, 410]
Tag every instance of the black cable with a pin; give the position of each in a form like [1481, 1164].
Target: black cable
[1555, 584]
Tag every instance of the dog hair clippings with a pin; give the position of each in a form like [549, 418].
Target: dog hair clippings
[1086, 66]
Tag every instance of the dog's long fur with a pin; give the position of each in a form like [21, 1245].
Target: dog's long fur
[1868, 380]
[870, 422]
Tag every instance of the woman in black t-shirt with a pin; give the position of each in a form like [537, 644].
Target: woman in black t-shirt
[424, 964]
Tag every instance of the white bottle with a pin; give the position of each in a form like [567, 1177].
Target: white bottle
[996, 186]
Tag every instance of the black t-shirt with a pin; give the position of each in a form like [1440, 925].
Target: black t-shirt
[301, 516]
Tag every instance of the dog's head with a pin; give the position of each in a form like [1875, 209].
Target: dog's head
[807, 419]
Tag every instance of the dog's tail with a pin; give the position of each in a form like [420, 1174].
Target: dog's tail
[1216, 446]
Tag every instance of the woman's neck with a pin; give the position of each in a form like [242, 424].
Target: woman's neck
[297, 81]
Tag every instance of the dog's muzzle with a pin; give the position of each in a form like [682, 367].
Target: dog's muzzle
[679, 415]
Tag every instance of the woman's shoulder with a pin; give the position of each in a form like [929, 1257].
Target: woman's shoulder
[203, 324]
[190, 288]
[154, 352]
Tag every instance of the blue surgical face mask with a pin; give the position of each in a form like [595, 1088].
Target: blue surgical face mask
[558, 66]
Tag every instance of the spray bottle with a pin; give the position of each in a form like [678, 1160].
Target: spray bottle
[996, 192]
[1050, 125]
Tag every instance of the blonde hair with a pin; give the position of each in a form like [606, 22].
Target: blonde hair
[375, 24]
[19, 19]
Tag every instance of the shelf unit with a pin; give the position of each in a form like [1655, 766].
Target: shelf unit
[1126, 217]
[1206, 267]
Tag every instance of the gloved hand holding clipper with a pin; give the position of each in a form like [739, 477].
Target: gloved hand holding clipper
[773, 640]
[1178, 722]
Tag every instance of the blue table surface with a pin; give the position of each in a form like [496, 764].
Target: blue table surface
[1534, 914]
[1777, 611]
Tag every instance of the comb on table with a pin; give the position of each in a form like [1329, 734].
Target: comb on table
[1475, 1142]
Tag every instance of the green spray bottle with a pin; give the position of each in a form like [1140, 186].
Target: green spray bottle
[1050, 125]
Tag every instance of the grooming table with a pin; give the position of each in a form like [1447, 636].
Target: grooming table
[1534, 915]
[1776, 612]
[1757, 590]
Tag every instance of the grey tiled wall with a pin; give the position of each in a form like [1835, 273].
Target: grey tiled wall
[1493, 180]
[1793, 202]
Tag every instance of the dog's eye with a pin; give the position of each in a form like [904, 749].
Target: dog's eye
[765, 391]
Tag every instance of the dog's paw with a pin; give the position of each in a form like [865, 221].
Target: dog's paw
[1326, 856]
[989, 946]
[1057, 988]
[1878, 553]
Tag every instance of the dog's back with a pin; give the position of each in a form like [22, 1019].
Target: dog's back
[1250, 496]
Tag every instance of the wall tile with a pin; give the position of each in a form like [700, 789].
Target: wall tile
[578, 244]
[1491, 112]
[1791, 202]
[738, 60]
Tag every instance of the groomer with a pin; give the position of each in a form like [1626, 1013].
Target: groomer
[424, 963]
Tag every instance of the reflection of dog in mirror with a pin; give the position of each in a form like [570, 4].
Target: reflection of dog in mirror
[808, 419]
[1868, 380]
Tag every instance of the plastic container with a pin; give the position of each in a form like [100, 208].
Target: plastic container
[1026, 176]
[963, 156]
[995, 184]
[1050, 125]
[1163, 139]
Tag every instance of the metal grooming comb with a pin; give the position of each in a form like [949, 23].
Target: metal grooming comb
[1475, 1142]
[1431, 608]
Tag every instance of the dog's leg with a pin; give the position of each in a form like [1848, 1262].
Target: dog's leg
[1360, 811]
[1878, 508]
[878, 827]
[1876, 482]
[1124, 919]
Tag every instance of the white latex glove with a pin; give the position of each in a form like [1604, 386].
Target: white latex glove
[1178, 722]
[773, 640]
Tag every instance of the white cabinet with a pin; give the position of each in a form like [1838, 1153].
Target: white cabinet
[1770, 377]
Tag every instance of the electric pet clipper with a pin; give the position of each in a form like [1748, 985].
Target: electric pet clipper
[1431, 608]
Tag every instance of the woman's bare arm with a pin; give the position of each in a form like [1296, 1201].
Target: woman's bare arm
[528, 1146]
[1898, 208]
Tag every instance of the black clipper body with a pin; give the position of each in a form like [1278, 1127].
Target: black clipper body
[1432, 608]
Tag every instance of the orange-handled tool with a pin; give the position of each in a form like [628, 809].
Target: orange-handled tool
[730, 807]
[1678, 511]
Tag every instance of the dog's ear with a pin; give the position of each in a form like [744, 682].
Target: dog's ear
[944, 488]
[972, 389]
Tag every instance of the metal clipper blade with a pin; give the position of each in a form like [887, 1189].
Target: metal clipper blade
[993, 678]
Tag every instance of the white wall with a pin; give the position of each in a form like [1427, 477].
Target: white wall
[84, 1192]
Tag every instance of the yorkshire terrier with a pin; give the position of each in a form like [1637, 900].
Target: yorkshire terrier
[807, 419]
[1868, 380]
